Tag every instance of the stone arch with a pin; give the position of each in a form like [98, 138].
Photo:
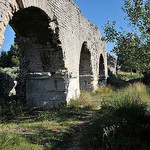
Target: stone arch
[7, 9]
[102, 77]
[42, 82]
[33, 31]
[85, 69]
[47, 79]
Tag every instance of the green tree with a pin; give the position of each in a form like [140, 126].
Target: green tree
[138, 13]
[10, 58]
[15, 56]
[4, 61]
[132, 49]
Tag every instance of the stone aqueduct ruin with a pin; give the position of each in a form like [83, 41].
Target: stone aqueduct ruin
[61, 52]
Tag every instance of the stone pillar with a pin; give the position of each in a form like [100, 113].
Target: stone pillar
[86, 82]
[45, 90]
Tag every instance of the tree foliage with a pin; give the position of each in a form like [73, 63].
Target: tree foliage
[10, 58]
[138, 13]
[132, 49]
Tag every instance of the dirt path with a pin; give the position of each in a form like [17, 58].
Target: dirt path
[77, 134]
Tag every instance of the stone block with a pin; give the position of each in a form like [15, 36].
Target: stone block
[60, 85]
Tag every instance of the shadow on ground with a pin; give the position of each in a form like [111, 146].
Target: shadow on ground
[50, 129]
[118, 83]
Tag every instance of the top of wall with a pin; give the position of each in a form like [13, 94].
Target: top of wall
[78, 9]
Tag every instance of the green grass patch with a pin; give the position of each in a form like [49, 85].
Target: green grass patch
[121, 123]
[36, 128]
[129, 75]
[12, 141]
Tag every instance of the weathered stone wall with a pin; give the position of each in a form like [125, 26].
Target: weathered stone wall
[112, 64]
[50, 35]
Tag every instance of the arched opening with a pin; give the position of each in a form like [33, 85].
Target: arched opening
[37, 40]
[9, 55]
[41, 58]
[102, 77]
[9, 38]
[9, 62]
[85, 69]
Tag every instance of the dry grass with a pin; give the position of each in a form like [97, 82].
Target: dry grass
[136, 90]
[48, 129]
[140, 90]
[123, 121]
[84, 101]
[38, 129]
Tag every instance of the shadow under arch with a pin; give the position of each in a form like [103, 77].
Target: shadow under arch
[41, 58]
[32, 28]
[102, 77]
[85, 69]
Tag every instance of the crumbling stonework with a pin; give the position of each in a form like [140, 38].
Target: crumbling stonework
[112, 64]
[61, 52]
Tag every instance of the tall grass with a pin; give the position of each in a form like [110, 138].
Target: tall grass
[133, 90]
[105, 90]
[84, 101]
[138, 89]
[10, 107]
[123, 123]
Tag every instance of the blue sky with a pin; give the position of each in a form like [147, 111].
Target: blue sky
[97, 11]
[9, 38]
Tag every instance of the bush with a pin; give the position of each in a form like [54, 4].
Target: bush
[12, 72]
[10, 107]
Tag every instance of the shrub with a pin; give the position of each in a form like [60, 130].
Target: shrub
[10, 107]
[13, 72]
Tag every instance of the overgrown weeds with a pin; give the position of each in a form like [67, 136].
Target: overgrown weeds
[133, 90]
[10, 107]
[33, 128]
[123, 121]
